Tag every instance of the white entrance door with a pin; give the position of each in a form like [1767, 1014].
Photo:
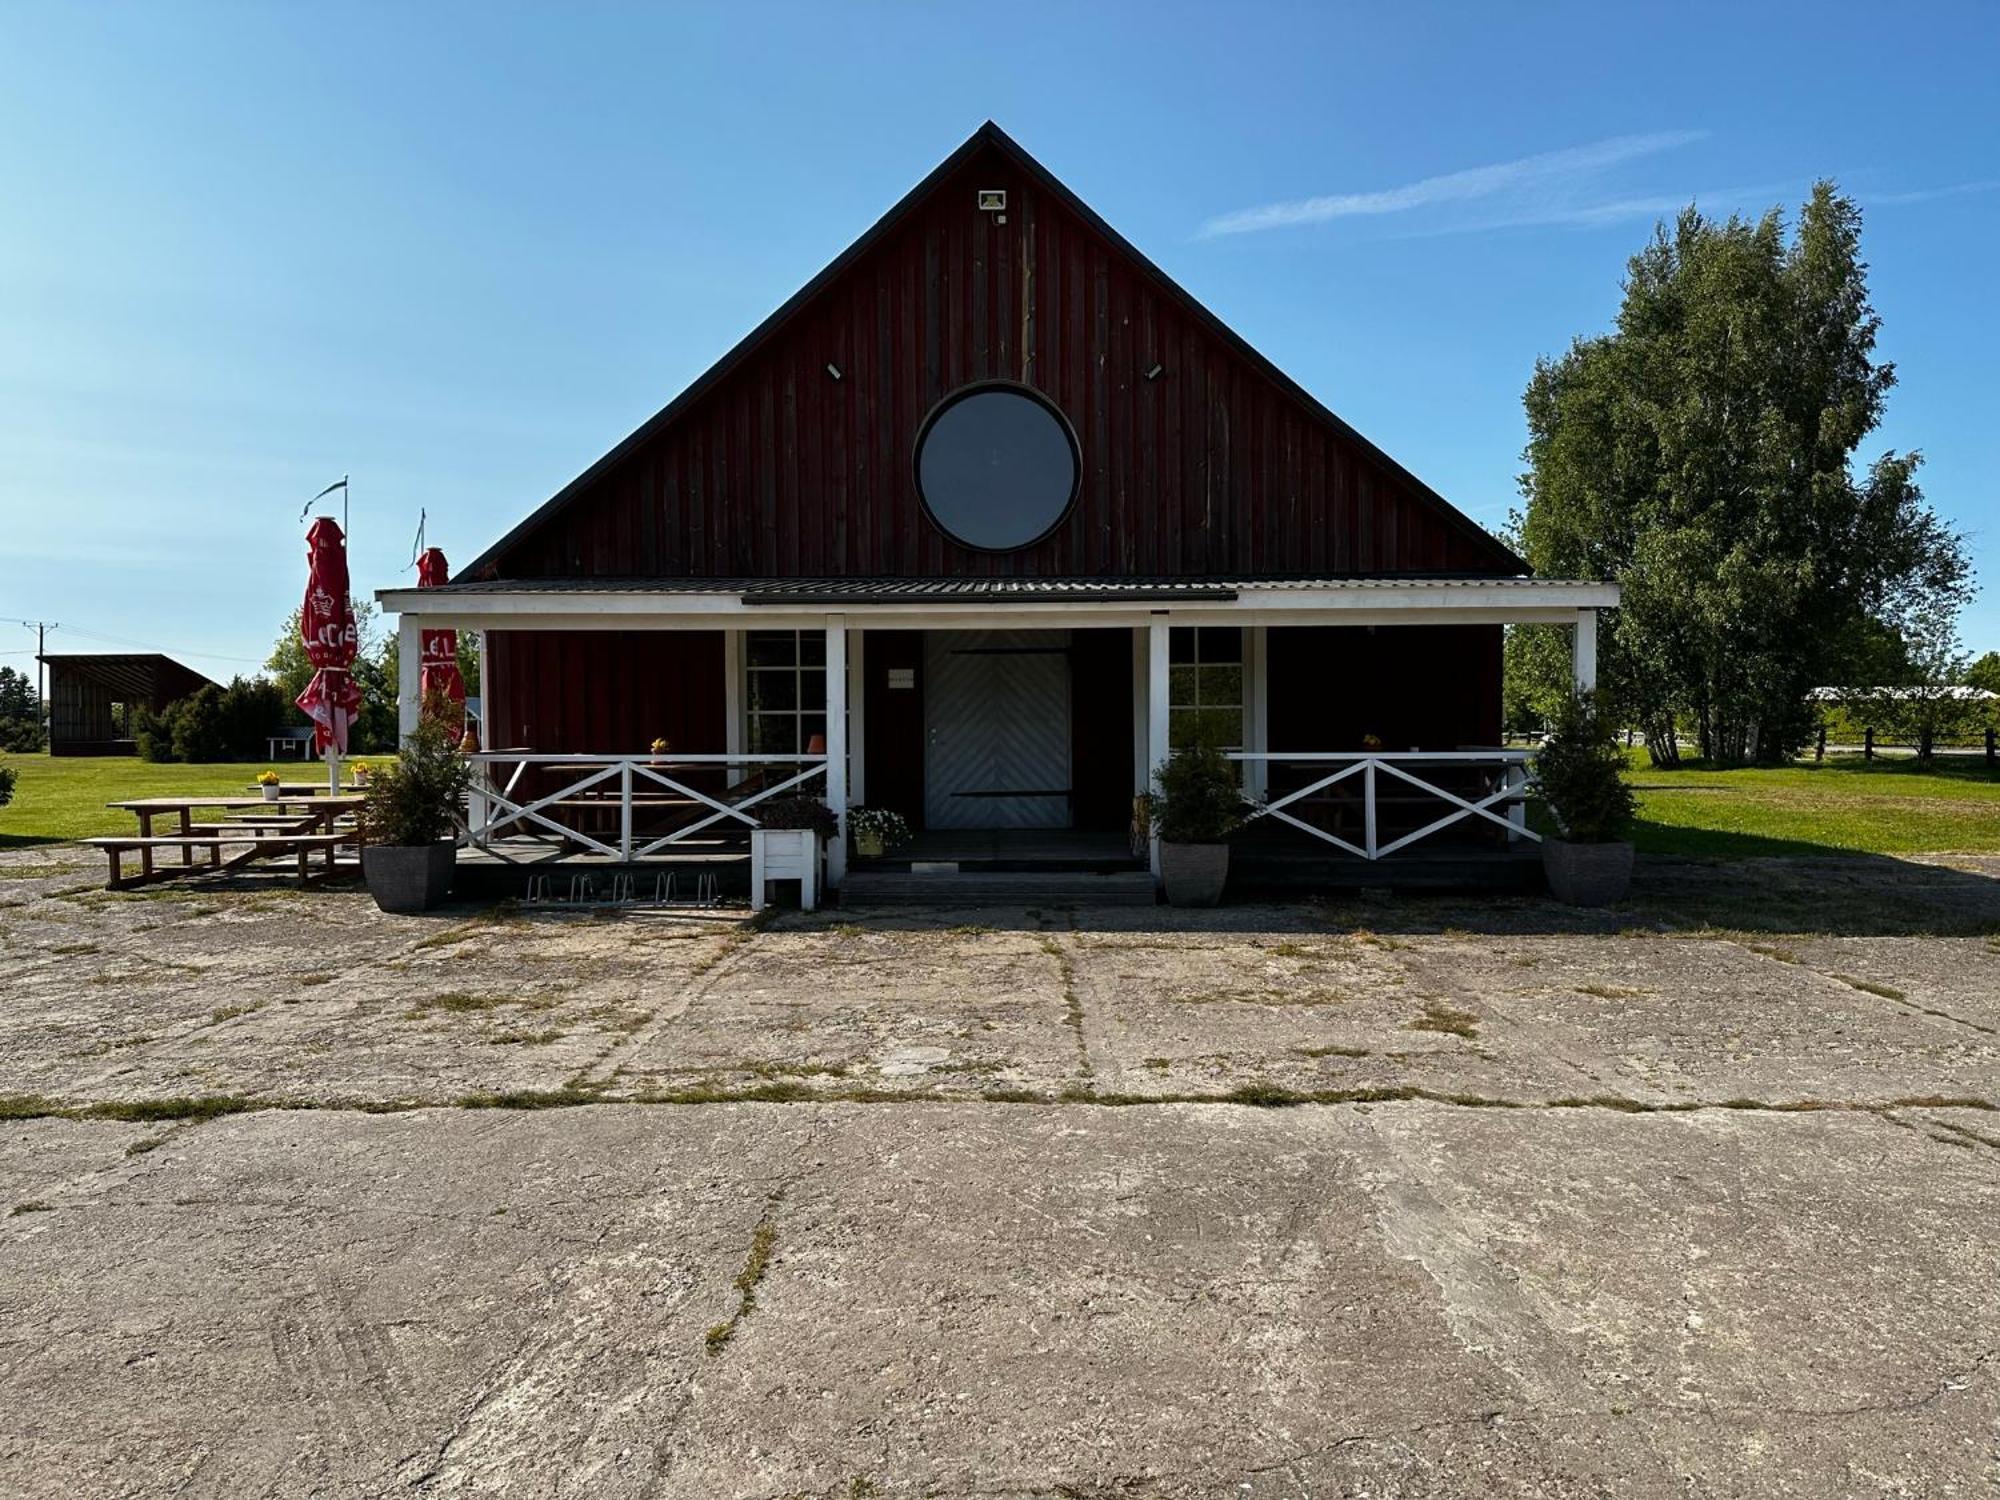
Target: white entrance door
[996, 712]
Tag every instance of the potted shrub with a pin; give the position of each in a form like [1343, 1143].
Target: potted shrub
[409, 822]
[1579, 774]
[785, 845]
[267, 783]
[1197, 803]
[876, 831]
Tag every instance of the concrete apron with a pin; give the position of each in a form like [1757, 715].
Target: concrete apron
[1403, 1299]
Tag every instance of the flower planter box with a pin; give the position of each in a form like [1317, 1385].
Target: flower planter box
[784, 854]
[1193, 874]
[406, 879]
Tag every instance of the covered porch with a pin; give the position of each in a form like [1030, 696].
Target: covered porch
[1011, 722]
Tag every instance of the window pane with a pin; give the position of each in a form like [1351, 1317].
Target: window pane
[810, 725]
[1181, 728]
[1221, 643]
[812, 647]
[774, 689]
[1181, 687]
[774, 734]
[1180, 643]
[773, 648]
[1221, 687]
[1221, 727]
[812, 688]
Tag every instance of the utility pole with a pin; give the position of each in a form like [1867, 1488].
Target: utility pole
[41, 629]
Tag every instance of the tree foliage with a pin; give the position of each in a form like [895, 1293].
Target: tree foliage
[20, 712]
[1701, 454]
[214, 723]
[1928, 698]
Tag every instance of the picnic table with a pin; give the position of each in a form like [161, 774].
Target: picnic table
[297, 825]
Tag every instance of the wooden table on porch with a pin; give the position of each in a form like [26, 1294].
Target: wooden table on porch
[266, 829]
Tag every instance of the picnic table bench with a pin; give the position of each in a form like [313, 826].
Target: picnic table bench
[301, 845]
[262, 827]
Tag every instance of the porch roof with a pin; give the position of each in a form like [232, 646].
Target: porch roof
[678, 595]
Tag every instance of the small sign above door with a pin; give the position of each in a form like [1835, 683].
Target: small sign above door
[903, 677]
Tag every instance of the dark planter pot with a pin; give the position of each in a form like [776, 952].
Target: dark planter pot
[1587, 874]
[408, 878]
[1194, 874]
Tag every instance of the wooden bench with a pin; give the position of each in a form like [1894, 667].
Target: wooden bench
[255, 846]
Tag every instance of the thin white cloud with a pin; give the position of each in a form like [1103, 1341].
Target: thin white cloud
[1541, 184]
[1926, 195]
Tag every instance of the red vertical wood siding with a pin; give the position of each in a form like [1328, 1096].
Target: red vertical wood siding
[606, 692]
[777, 469]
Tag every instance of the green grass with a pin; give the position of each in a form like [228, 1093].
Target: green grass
[1844, 805]
[63, 798]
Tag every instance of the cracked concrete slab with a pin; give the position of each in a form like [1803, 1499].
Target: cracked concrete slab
[1583, 1240]
[1002, 1299]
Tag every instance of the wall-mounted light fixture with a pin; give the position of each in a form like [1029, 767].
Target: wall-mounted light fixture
[833, 369]
[1154, 373]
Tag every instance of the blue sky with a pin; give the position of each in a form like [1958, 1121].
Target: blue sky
[458, 252]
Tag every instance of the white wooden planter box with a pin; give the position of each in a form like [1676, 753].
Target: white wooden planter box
[784, 854]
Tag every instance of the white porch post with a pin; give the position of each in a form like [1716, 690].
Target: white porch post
[1583, 650]
[409, 673]
[1256, 711]
[836, 744]
[1156, 714]
[857, 725]
[732, 698]
[477, 810]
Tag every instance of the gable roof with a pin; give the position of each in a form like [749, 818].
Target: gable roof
[991, 136]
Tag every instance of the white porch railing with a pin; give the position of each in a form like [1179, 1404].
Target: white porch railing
[599, 786]
[1501, 778]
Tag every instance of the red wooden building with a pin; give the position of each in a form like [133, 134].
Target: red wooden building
[977, 526]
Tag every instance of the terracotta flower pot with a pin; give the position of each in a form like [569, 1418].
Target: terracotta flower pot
[1587, 874]
[1194, 874]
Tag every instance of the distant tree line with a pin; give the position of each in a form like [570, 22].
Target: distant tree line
[1701, 454]
[237, 722]
[20, 712]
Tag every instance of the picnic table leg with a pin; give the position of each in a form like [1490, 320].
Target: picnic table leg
[111, 880]
[145, 851]
[187, 827]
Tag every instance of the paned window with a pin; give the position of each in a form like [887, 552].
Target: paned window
[786, 696]
[1205, 687]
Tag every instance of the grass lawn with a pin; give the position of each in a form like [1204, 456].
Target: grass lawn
[63, 798]
[1845, 804]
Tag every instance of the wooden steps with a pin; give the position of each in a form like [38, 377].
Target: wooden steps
[977, 887]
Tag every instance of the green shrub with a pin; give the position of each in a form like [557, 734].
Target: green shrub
[197, 727]
[1578, 773]
[6, 785]
[1198, 800]
[416, 798]
[154, 732]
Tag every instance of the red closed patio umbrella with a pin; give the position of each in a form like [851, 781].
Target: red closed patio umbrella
[326, 623]
[440, 675]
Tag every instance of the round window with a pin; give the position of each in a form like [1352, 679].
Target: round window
[997, 467]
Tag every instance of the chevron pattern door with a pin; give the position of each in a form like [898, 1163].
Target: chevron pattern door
[997, 737]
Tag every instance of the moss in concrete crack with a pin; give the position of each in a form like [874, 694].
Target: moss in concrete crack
[755, 1264]
[1870, 987]
[1437, 1016]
